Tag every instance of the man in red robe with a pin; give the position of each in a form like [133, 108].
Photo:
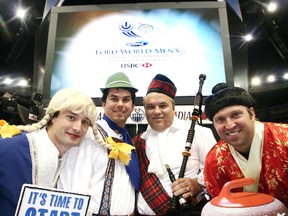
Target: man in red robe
[247, 147]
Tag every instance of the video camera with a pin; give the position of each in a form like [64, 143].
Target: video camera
[20, 110]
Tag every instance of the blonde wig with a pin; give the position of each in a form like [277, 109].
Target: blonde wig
[65, 99]
[73, 100]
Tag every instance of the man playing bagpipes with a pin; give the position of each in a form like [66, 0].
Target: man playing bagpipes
[162, 144]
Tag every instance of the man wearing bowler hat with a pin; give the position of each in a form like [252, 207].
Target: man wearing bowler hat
[107, 168]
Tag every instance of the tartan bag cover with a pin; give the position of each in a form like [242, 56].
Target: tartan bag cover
[152, 190]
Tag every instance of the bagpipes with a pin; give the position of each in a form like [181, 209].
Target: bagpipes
[179, 204]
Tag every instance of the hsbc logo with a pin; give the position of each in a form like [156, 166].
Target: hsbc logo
[147, 65]
[134, 65]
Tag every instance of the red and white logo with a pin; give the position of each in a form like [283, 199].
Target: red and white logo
[147, 65]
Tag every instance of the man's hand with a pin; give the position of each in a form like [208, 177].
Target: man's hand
[186, 187]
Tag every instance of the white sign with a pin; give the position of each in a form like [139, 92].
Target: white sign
[40, 201]
[145, 41]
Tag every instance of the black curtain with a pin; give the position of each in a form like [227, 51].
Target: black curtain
[133, 131]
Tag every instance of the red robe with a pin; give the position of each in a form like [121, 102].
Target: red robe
[221, 167]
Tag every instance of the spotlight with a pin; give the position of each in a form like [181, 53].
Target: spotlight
[271, 78]
[256, 81]
[248, 37]
[7, 81]
[21, 13]
[272, 6]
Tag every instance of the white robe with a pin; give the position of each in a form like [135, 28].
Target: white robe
[45, 159]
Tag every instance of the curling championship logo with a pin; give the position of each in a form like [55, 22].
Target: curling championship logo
[136, 30]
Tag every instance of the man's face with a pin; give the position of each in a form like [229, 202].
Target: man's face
[68, 129]
[235, 125]
[118, 106]
[159, 111]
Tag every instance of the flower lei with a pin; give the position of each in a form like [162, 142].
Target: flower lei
[7, 131]
[120, 150]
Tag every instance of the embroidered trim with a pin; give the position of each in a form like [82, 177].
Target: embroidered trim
[111, 162]
[32, 147]
[102, 132]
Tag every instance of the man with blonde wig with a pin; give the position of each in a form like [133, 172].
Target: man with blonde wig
[37, 155]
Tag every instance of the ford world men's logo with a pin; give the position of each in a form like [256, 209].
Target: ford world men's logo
[128, 30]
[136, 30]
[137, 44]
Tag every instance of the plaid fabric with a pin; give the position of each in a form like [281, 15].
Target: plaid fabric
[162, 87]
[151, 188]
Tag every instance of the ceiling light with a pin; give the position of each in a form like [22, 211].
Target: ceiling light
[272, 6]
[271, 78]
[21, 13]
[7, 81]
[248, 37]
[22, 82]
[256, 81]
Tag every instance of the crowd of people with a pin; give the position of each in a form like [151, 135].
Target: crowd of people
[70, 150]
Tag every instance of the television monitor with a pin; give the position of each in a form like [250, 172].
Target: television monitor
[82, 45]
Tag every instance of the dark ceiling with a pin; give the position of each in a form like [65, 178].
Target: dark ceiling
[268, 53]
[17, 38]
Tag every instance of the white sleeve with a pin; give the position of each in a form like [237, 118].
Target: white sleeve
[204, 141]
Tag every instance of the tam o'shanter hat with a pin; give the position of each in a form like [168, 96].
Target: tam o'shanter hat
[118, 80]
[224, 96]
[162, 84]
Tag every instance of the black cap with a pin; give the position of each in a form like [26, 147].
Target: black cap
[224, 96]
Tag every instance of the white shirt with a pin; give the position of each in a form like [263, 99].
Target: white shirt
[84, 172]
[251, 168]
[167, 147]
